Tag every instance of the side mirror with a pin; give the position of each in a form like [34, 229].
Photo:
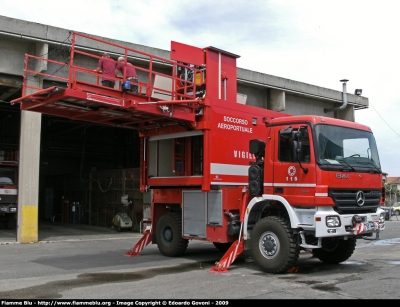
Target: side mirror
[295, 145]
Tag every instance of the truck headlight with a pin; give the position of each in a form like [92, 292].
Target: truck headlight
[13, 209]
[333, 221]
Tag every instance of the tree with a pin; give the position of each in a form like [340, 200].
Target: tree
[391, 189]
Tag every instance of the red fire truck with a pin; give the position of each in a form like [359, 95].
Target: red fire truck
[218, 170]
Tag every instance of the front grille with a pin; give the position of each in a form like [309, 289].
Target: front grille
[346, 202]
[8, 199]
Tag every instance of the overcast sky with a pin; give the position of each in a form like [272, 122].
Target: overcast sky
[318, 42]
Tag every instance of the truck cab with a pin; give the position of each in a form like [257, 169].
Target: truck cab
[316, 181]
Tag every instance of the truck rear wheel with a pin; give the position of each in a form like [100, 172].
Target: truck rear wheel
[335, 250]
[169, 235]
[273, 245]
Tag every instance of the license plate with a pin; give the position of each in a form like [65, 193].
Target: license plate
[371, 226]
[365, 227]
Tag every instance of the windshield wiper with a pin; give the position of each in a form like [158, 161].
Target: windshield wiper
[370, 163]
[344, 161]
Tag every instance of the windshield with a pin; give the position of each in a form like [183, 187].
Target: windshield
[346, 148]
[8, 176]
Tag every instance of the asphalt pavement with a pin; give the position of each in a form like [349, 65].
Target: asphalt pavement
[61, 232]
[87, 262]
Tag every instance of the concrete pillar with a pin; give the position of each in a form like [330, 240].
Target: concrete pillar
[29, 159]
[276, 100]
[42, 50]
[346, 114]
[28, 185]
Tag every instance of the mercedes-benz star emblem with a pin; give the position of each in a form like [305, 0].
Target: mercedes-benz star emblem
[360, 198]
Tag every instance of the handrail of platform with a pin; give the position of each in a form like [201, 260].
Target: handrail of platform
[185, 91]
[75, 74]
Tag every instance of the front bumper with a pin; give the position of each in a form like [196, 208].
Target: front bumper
[350, 224]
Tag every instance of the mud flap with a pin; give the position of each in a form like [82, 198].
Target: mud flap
[140, 245]
[228, 258]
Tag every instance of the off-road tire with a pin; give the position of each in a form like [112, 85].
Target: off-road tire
[222, 247]
[335, 250]
[169, 235]
[273, 245]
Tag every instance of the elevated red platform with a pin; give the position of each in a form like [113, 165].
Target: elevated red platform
[124, 109]
[164, 99]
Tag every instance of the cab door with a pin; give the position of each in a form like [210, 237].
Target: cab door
[293, 174]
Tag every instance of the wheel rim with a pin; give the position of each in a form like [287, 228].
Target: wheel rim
[167, 235]
[269, 245]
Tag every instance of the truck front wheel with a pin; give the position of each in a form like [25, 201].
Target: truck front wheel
[335, 250]
[273, 245]
[168, 235]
